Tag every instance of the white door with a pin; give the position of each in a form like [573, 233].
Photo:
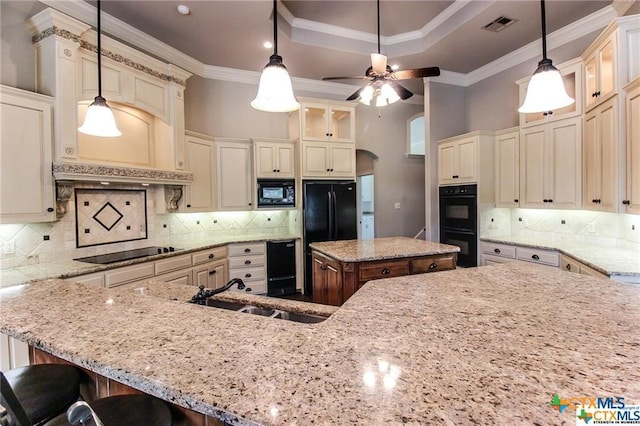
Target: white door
[367, 222]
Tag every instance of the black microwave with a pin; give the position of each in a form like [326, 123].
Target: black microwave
[276, 193]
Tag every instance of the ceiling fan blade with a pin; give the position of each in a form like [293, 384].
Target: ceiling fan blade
[401, 91]
[362, 77]
[416, 73]
[355, 95]
[379, 63]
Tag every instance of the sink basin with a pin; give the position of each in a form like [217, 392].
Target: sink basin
[272, 313]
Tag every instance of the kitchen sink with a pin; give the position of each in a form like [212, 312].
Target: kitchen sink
[272, 313]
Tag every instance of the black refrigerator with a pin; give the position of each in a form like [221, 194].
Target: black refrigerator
[329, 214]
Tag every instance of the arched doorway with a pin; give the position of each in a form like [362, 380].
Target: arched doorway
[365, 187]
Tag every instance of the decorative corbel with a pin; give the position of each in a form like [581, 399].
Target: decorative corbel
[64, 189]
[172, 196]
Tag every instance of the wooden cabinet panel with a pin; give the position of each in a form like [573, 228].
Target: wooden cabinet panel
[507, 158]
[433, 264]
[210, 255]
[200, 160]
[172, 263]
[274, 158]
[632, 199]
[234, 176]
[385, 269]
[129, 274]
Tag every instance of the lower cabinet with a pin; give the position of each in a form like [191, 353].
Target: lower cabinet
[493, 253]
[247, 262]
[334, 281]
[569, 264]
[13, 353]
[211, 275]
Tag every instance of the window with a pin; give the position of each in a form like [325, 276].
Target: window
[415, 135]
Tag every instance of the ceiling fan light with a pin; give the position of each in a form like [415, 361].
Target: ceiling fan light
[99, 120]
[379, 63]
[275, 92]
[388, 95]
[366, 95]
[546, 91]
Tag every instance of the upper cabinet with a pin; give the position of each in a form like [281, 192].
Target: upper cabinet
[274, 158]
[234, 175]
[611, 61]
[326, 130]
[572, 76]
[631, 202]
[507, 166]
[26, 182]
[200, 160]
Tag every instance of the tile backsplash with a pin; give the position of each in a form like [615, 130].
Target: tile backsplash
[580, 226]
[24, 244]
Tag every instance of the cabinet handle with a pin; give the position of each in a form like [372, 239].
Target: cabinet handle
[568, 267]
[386, 271]
[278, 170]
[550, 200]
[545, 201]
[535, 257]
[497, 250]
[274, 170]
[50, 209]
[433, 266]
[211, 256]
[188, 206]
[331, 170]
[247, 262]
[249, 203]
[330, 134]
[247, 275]
[326, 134]
[597, 93]
[323, 267]
[212, 272]
[247, 250]
[550, 112]
[626, 202]
[516, 200]
[328, 170]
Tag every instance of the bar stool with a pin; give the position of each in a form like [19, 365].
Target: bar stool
[37, 393]
[120, 410]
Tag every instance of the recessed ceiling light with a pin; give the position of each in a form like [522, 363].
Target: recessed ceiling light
[183, 10]
[267, 45]
[395, 67]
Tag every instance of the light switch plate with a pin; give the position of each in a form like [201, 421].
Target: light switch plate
[396, 206]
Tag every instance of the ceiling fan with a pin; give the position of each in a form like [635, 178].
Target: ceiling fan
[383, 81]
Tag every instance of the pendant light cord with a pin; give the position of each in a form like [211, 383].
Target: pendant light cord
[275, 27]
[379, 26]
[544, 31]
[99, 56]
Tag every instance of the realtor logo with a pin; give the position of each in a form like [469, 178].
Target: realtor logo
[591, 411]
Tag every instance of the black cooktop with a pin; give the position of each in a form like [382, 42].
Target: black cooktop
[119, 256]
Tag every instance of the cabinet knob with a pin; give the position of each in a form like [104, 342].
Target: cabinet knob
[331, 170]
[50, 209]
[516, 200]
[545, 201]
[247, 262]
[568, 267]
[626, 202]
[247, 250]
[274, 170]
[497, 251]
[249, 203]
[326, 134]
[328, 170]
[323, 267]
[278, 170]
[211, 256]
[535, 257]
[188, 206]
[433, 266]
[212, 272]
[386, 271]
[550, 200]
[247, 275]
[550, 113]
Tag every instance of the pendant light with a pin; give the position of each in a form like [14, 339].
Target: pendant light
[546, 90]
[275, 93]
[99, 120]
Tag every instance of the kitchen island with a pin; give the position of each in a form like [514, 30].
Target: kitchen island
[488, 345]
[340, 268]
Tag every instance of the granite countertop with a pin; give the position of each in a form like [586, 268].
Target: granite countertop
[73, 268]
[488, 345]
[608, 260]
[381, 249]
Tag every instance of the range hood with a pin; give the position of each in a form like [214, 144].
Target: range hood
[87, 172]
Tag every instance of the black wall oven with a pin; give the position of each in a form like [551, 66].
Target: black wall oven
[459, 221]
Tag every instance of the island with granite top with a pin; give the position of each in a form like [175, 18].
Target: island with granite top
[340, 268]
[486, 345]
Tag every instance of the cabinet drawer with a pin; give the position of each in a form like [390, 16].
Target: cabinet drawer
[130, 273]
[256, 287]
[432, 264]
[501, 250]
[543, 257]
[92, 279]
[172, 263]
[177, 277]
[209, 255]
[247, 274]
[570, 265]
[246, 249]
[246, 261]
[388, 269]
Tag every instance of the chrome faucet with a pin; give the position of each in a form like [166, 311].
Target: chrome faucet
[201, 297]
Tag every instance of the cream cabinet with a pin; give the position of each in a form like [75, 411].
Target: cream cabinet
[200, 160]
[507, 166]
[551, 165]
[184, 277]
[600, 72]
[234, 175]
[632, 106]
[571, 72]
[601, 156]
[328, 160]
[320, 120]
[13, 353]
[467, 159]
[210, 267]
[570, 264]
[26, 182]
[274, 158]
[492, 253]
[247, 261]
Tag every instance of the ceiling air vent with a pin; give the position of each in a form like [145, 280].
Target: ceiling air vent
[499, 24]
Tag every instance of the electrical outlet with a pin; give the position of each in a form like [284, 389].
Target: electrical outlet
[591, 227]
[396, 206]
[9, 247]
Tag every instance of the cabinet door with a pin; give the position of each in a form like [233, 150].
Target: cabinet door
[211, 275]
[564, 166]
[342, 160]
[285, 160]
[334, 285]
[467, 161]
[265, 155]
[314, 122]
[200, 160]
[590, 80]
[184, 277]
[315, 159]
[319, 281]
[532, 167]
[234, 176]
[507, 157]
[447, 158]
[632, 200]
[342, 124]
[26, 182]
[591, 152]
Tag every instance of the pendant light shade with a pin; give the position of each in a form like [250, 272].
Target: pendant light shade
[99, 120]
[546, 90]
[275, 92]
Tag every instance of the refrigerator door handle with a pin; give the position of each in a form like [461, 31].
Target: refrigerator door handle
[334, 203]
[331, 208]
